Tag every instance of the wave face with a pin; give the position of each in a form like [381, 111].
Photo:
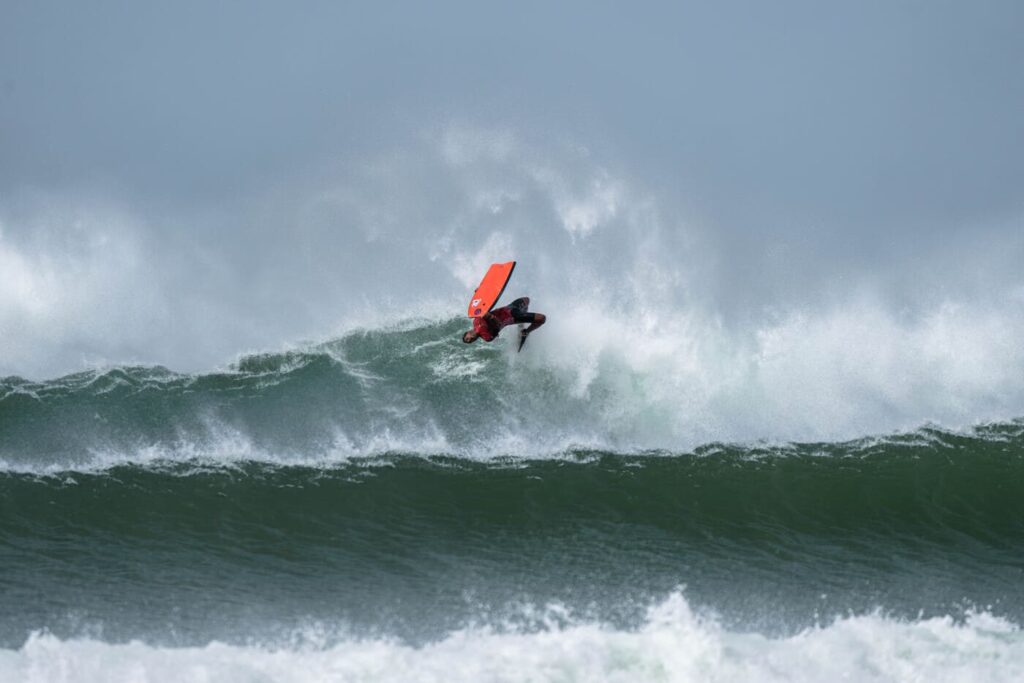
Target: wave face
[392, 505]
[924, 525]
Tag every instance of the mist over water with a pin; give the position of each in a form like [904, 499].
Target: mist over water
[646, 308]
[283, 462]
[772, 429]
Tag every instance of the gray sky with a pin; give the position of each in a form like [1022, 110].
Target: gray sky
[180, 182]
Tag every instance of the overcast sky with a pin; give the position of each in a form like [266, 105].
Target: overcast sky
[181, 182]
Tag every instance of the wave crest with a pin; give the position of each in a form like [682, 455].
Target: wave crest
[417, 389]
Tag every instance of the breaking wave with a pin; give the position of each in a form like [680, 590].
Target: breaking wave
[672, 644]
[416, 389]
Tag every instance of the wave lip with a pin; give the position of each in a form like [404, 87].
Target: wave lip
[673, 644]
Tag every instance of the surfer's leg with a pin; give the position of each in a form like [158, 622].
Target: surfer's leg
[519, 306]
[535, 320]
[521, 315]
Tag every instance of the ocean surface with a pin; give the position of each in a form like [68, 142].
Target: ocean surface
[394, 506]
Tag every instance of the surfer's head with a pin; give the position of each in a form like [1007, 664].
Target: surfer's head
[469, 336]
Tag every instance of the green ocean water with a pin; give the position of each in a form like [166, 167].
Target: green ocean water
[777, 539]
[384, 491]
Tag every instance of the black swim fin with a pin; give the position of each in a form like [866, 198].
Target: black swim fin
[523, 334]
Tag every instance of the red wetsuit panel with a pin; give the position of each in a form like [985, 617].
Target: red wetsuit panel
[482, 329]
[504, 317]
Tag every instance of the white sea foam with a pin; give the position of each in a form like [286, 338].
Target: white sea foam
[642, 349]
[676, 381]
[674, 644]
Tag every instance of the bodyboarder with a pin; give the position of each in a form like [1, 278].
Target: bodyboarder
[489, 325]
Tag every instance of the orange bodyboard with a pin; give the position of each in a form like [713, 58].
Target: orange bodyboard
[490, 288]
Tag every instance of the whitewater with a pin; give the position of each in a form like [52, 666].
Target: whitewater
[673, 645]
[772, 429]
[413, 387]
[702, 468]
